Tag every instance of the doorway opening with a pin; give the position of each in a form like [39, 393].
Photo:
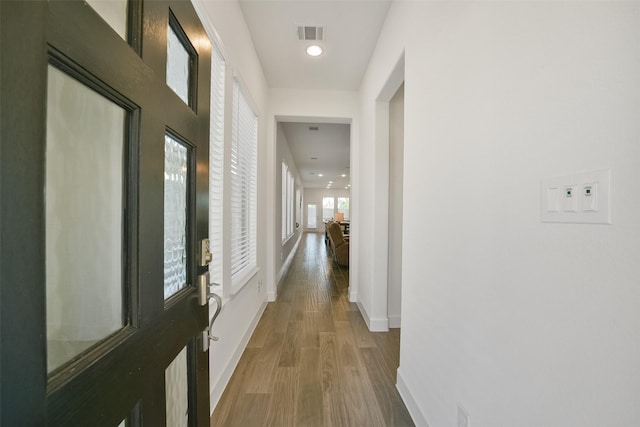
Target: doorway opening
[389, 137]
[317, 153]
[396, 173]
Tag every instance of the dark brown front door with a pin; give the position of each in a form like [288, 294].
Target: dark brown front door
[103, 184]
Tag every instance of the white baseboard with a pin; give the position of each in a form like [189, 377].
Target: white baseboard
[287, 263]
[271, 296]
[379, 325]
[394, 321]
[412, 406]
[353, 296]
[218, 388]
[374, 324]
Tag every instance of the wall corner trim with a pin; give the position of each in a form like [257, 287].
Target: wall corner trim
[394, 321]
[410, 402]
[380, 324]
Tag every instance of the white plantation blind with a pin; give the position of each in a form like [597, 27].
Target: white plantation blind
[290, 203]
[288, 184]
[244, 142]
[285, 171]
[216, 164]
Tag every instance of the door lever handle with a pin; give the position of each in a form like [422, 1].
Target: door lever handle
[205, 294]
[215, 315]
[218, 307]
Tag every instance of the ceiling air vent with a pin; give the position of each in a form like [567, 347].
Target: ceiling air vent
[313, 127]
[310, 33]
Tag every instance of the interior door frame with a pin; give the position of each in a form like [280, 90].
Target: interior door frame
[116, 379]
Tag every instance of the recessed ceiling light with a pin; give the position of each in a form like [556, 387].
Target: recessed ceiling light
[330, 182]
[314, 50]
[320, 174]
[346, 188]
[344, 175]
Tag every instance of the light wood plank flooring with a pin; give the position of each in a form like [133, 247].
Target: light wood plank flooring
[311, 360]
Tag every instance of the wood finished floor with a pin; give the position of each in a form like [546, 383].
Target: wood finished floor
[311, 360]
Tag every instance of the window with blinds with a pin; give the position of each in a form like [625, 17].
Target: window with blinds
[216, 164]
[244, 141]
[288, 185]
[291, 184]
[283, 214]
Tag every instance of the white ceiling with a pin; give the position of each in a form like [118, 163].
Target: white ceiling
[330, 144]
[351, 30]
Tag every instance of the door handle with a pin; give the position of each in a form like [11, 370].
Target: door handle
[205, 294]
[215, 315]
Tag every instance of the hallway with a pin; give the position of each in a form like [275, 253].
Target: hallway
[311, 360]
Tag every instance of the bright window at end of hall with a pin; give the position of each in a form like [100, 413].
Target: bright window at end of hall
[327, 208]
[343, 207]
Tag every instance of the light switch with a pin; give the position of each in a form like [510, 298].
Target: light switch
[570, 198]
[590, 197]
[583, 198]
[552, 199]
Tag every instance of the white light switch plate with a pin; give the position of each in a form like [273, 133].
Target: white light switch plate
[583, 198]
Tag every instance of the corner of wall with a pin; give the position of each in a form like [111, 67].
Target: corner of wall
[375, 324]
[394, 321]
[410, 402]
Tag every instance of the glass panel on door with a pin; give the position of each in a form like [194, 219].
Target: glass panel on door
[176, 386]
[83, 217]
[114, 12]
[179, 60]
[175, 216]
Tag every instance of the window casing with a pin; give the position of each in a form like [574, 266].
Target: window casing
[232, 181]
[216, 165]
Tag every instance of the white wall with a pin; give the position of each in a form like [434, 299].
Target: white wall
[225, 24]
[524, 324]
[284, 251]
[396, 175]
[321, 106]
[372, 156]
